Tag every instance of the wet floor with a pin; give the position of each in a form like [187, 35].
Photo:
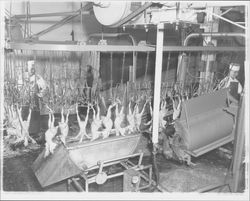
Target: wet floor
[210, 169]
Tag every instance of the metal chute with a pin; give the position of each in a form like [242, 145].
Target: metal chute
[72, 160]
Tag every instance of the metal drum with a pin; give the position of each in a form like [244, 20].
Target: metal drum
[103, 10]
[204, 123]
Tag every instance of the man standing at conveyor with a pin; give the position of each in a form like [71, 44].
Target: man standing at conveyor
[37, 88]
[36, 80]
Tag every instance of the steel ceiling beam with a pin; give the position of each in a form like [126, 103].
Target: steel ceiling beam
[65, 20]
[229, 21]
[55, 26]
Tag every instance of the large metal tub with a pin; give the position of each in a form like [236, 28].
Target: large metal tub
[73, 159]
[205, 124]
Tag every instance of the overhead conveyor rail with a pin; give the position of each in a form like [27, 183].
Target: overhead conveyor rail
[118, 48]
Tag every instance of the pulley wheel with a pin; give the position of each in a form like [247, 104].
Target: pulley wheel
[101, 178]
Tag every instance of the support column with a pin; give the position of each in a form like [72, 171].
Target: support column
[211, 25]
[134, 66]
[157, 81]
[2, 6]
[239, 147]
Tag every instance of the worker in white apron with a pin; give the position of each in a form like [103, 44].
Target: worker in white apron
[231, 82]
[36, 80]
[38, 87]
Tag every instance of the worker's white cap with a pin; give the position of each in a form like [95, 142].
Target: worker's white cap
[30, 64]
[234, 67]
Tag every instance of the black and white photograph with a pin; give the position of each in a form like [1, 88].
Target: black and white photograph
[123, 100]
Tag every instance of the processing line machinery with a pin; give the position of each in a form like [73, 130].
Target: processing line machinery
[82, 164]
[205, 124]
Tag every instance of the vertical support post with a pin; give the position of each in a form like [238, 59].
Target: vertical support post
[239, 146]
[86, 185]
[182, 66]
[2, 6]
[157, 80]
[208, 58]
[134, 66]
[68, 185]
[111, 69]
[131, 74]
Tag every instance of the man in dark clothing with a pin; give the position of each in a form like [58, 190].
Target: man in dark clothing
[89, 79]
[90, 76]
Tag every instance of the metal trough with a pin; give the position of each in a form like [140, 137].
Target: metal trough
[205, 124]
[73, 159]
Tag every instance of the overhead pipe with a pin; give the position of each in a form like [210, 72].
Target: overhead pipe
[49, 14]
[185, 43]
[213, 35]
[113, 35]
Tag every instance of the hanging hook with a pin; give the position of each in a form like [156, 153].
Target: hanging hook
[147, 63]
[123, 66]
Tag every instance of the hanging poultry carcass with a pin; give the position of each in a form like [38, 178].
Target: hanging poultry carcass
[96, 125]
[25, 127]
[150, 122]
[131, 119]
[50, 134]
[163, 113]
[107, 122]
[176, 106]
[63, 126]
[82, 124]
[119, 119]
[14, 132]
[138, 115]
[13, 123]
